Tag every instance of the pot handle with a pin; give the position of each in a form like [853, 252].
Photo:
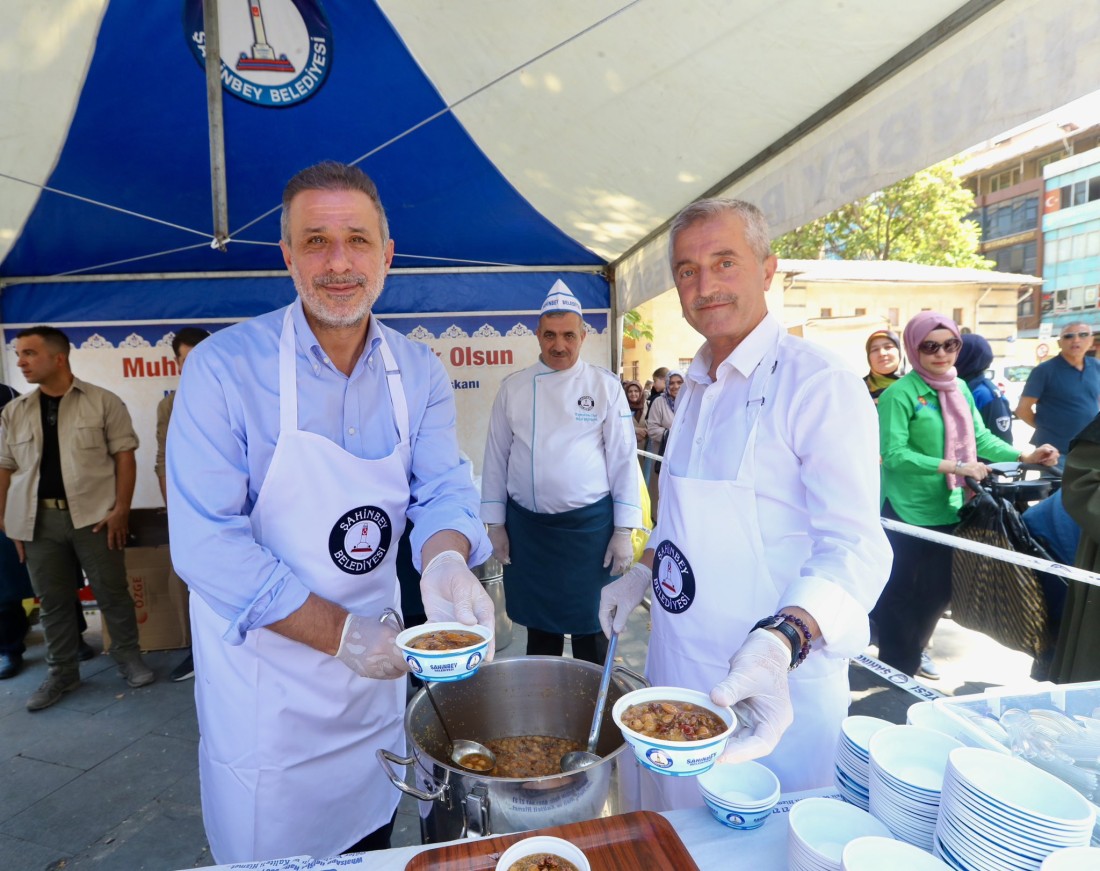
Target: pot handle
[633, 675]
[385, 757]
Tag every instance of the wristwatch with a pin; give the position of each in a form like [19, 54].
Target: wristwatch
[778, 622]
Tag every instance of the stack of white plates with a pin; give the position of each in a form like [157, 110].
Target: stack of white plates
[852, 757]
[1072, 859]
[875, 854]
[820, 829]
[906, 776]
[999, 813]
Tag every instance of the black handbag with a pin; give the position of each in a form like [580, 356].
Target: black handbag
[1000, 599]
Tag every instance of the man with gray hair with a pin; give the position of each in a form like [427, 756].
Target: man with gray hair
[768, 553]
[300, 443]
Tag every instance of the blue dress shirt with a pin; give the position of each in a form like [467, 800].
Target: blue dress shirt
[222, 436]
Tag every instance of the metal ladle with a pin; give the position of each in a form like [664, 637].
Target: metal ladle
[462, 748]
[577, 760]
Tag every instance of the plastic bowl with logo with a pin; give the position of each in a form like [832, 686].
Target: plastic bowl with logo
[444, 665]
[677, 758]
[740, 796]
[540, 845]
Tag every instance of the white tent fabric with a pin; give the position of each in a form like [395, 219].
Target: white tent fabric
[607, 116]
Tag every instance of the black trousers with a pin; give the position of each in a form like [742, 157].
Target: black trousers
[379, 839]
[590, 648]
[915, 596]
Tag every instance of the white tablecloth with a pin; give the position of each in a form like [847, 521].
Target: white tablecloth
[708, 841]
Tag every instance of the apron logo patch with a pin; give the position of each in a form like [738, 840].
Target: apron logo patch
[673, 579]
[360, 539]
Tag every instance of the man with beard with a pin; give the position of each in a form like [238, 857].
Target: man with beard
[301, 441]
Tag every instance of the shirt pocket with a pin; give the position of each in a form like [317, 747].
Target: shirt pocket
[88, 435]
[21, 445]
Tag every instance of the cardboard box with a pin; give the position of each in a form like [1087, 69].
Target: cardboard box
[160, 600]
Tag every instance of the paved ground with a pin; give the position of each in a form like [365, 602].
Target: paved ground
[107, 780]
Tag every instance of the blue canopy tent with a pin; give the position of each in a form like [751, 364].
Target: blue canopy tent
[505, 137]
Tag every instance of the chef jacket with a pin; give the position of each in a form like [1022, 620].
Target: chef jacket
[560, 440]
[817, 474]
[224, 427]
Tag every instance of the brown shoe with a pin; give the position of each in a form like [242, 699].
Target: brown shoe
[52, 689]
[136, 672]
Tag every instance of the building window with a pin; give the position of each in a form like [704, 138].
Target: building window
[633, 370]
[1003, 180]
[861, 311]
[1025, 308]
[957, 316]
[685, 363]
[826, 313]
[893, 315]
[1015, 258]
[1048, 159]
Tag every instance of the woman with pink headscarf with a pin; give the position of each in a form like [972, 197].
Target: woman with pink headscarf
[930, 436]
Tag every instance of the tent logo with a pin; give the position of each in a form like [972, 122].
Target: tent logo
[275, 53]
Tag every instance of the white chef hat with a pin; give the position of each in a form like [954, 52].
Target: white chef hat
[560, 299]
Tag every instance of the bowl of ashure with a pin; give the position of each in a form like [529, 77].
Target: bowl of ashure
[543, 853]
[673, 731]
[444, 651]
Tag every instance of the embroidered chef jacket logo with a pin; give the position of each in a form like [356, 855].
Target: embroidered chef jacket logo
[275, 53]
[360, 539]
[673, 579]
[585, 410]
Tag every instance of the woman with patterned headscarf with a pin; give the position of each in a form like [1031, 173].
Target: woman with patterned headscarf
[930, 435]
[635, 398]
[884, 358]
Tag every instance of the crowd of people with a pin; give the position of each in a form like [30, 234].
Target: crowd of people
[306, 445]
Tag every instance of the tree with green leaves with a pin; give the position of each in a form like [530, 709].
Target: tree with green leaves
[919, 219]
[636, 328]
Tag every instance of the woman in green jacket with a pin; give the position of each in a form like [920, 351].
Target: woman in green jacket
[930, 436]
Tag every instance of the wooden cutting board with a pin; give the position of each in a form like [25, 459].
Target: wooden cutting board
[626, 842]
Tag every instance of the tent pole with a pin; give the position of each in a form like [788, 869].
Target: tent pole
[616, 323]
[213, 55]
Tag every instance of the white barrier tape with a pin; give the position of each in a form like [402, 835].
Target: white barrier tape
[1008, 556]
[648, 455]
[897, 678]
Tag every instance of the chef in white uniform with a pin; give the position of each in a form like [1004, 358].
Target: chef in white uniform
[768, 552]
[300, 442]
[560, 486]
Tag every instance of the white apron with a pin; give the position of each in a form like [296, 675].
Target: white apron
[711, 584]
[289, 734]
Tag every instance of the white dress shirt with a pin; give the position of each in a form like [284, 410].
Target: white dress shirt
[816, 470]
[560, 440]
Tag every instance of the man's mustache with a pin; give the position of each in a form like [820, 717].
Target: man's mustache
[713, 299]
[346, 278]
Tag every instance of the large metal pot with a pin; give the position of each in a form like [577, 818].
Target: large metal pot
[534, 695]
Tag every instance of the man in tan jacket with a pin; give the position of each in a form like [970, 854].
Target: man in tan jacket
[67, 474]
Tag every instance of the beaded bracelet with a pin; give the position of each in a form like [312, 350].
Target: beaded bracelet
[807, 635]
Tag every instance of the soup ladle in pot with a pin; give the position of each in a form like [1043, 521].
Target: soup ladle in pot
[468, 754]
[576, 760]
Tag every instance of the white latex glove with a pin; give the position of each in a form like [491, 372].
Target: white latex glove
[621, 597]
[367, 647]
[756, 687]
[620, 551]
[498, 537]
[452, 593]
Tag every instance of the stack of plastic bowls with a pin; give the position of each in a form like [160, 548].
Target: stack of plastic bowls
[820, 829]
[740, 796]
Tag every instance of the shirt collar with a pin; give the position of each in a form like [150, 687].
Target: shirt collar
[744, 358]
[307, 341]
